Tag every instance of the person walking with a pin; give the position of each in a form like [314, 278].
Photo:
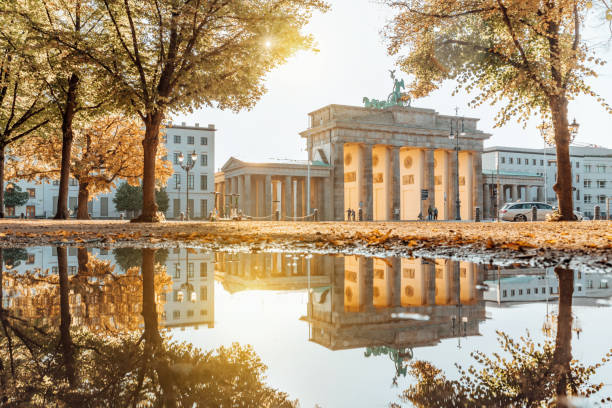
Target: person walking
[348, 214]
[429, 213]
[353, 214]
[435, 213]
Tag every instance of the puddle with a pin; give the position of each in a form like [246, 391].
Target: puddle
[333, 330]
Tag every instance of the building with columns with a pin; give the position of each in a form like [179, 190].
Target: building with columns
[261, 189]
[380, 160]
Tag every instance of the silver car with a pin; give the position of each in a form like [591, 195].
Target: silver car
[522, 211]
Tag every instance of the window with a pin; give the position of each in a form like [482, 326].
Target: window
[203, 293]
[518, 160]
[103, 206]
[526, 162]
[203, 269]
[520, 292]
[533, 161]
[203, 208]
[177, 139]
[54, 269]
[503, 160]
[190, 313]
[577, 165]
[176, 314]
[32, 192]
[512, 292]
[204, 160]
[190, 182]
[177, 181]
[56, 182]
[511, 160]
[543, 291]
[601, 184]
[203, 312]
[505, 293]
[203, 182]
[31, 258]
[30, 211]
[587, 168]
[587, 183]
[601, 199]
[587, 198]
[176, 158]
[577, 194]
[190, 269]
[190, 140]
[529, 291]
[73, 182]
[104, 252]
[10, 211]
[204, 141]
[535, 290]
[601, 168]
[541, 162]
[177, 271]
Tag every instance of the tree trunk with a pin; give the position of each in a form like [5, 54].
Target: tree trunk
[83, 261]
[82, 209]
[1, 181]
[150, 143]
[66, 343]
[563, 342]
[149, 307]
[67, 138]
[563, 186]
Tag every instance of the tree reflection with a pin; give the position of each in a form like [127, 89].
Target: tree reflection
[525, 374]
[44, 362]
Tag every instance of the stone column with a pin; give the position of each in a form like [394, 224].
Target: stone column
[267, 195]
[485, 190]
[241, 199]
[478, 199]
[539, 195]
[469, 187]
[452, 185]
[514, 192]
[337, 155]
[428, 181]
[261, 208]
[366, 194]
[327, 203]
[227, 198]
[394, 172]
[248, 197]
[299, 185]
[287, 204]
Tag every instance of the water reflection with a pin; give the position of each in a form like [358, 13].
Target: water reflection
[386, 309]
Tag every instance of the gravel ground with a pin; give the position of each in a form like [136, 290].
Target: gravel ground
[491, 241]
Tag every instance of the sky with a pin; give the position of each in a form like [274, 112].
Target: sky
[353, 63]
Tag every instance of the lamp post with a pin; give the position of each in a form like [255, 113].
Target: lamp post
[454, 134]
[188, 165]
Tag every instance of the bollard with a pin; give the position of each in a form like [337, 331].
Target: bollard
[277, 215]
[315, 213]
[534, 213]
[477, 219]
[182, 216]
[597, 213]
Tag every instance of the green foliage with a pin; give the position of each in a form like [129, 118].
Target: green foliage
[129, 198]
[526, 375]
[13, 256]
[127, 258]
[14, 197]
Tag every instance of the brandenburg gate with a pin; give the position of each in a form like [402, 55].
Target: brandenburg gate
[385, 159]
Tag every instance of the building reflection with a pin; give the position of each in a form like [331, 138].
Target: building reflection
[395, 303]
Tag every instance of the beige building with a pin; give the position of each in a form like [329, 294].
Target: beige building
[380, 160]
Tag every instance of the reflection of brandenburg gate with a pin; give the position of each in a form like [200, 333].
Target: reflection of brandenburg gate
[381, 160]
[360, 307]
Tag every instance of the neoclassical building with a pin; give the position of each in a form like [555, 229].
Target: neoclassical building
[383, 161]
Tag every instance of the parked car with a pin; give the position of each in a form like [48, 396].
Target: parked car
[522, 211]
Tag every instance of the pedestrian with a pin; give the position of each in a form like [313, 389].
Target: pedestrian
[435, 213]
[353, 214]
[429, 213]
[348, 214]
[360, 214]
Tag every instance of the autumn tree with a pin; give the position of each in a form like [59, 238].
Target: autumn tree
[23, 103]
[105, 151]
[527, 55]
[165, 56]
[70, 82]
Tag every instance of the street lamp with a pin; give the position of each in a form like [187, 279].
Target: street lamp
[188, 165]
[454, 134]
